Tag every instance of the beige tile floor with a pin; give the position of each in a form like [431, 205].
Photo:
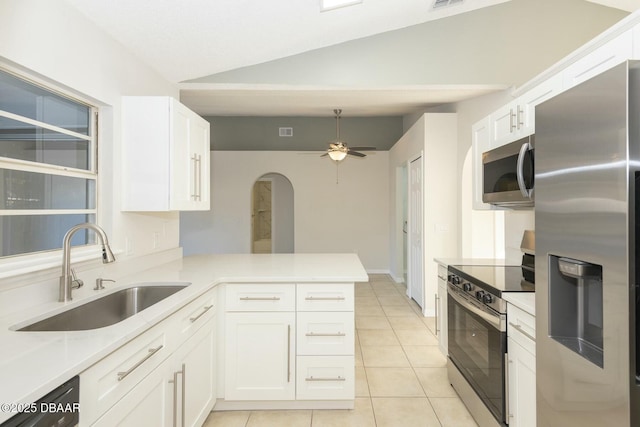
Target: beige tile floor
[401, 379]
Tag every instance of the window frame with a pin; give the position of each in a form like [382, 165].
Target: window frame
[12, 265]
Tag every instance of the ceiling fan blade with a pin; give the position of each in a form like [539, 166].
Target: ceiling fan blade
[325, 154]
[355, 153]
[363, 148]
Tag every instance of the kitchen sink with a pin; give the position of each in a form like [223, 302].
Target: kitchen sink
[108, 310]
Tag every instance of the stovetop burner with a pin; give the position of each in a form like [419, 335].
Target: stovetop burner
[494, 279]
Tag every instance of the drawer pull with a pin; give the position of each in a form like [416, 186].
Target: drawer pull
[519, 329]
[325, 298]
[206, 308]
[314, 334]
[259, 299]
[152, 351]
[325, 379]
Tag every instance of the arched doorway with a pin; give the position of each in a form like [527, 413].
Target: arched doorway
[272, 218]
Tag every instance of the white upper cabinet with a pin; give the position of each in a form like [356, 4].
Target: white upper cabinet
[601, 59]
[481, 135]
[165, 156]
[517, 119]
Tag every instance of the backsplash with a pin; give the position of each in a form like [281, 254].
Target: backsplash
[515, 222]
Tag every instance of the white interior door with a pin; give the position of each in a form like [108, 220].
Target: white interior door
[416, 267]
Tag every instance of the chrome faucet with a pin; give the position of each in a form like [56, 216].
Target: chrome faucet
[68, 278]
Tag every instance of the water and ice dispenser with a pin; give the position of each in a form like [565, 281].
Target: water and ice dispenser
[576, 306]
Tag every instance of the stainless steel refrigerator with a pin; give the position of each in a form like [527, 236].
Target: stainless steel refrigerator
[587, 182]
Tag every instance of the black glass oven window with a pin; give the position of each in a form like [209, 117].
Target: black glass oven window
[477, 349]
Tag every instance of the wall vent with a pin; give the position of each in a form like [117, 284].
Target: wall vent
[437, 4]
[285, 132]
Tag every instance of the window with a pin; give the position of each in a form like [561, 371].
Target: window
[48, 173]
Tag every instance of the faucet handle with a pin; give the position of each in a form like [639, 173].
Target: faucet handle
[99, 282]
[75, 282]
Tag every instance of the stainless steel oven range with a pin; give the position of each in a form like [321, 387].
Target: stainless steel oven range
[477, 328]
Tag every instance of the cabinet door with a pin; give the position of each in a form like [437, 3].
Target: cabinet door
[522, 386]
[189, 159]
[481, 133]
[504, 125]
[199, 145]
[606, 56]
[527, 103]
[193, 377]
[260, 356]
[150, 403]
[441, 328]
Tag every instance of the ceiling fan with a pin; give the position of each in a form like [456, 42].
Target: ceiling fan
[339, 150]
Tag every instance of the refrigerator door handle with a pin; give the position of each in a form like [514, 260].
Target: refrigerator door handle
[520, 170]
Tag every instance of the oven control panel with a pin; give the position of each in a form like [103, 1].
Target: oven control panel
[474, 291]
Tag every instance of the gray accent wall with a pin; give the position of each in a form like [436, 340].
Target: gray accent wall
[309, 133]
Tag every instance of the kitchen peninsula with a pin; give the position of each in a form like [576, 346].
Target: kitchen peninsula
[232, 301]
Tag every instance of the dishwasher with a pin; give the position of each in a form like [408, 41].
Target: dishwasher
[58, 408]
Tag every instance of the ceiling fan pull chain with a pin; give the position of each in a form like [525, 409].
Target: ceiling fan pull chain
[337, 163]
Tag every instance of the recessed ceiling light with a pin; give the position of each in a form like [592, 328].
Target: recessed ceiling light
[335, 4]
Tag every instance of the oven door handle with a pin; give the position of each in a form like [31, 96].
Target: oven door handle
[495, 320]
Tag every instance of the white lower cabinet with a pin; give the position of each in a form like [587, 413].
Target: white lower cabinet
[325, 377]
[293, 345]
[441, 310]
[165, 376]
[521, 368]
[260, 356]
[193, 378]
[149, 403]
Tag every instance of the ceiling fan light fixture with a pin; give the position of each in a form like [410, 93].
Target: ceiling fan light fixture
[337, 155]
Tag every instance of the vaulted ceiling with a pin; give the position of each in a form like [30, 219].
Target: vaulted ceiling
[287, 57]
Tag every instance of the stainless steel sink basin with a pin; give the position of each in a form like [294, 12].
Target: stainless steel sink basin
[107, 310]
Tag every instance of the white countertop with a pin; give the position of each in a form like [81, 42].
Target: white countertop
[34, 363]
[523, 300]
[473, 261]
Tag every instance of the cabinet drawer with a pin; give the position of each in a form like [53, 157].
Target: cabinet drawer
[325, 378]
[196, 314]
[106, 382]
[521, 327]
[325, 297]
[325, 333]
[261, 297]
[442, 272]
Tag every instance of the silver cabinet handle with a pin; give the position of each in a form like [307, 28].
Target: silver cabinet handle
[206, 308]
[152, 351]
[522, 331]
[194, 193]
[288, 353]
[175, 398]
[325, 298]
[199, 175]
[520, 113]
[175, 394]
[520, 170]
[314, 334]
[506, 386]
[437, 299]
[512, 125]
[259, 299]
[325, 379]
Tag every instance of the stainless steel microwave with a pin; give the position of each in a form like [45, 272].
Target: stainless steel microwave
[508, 174]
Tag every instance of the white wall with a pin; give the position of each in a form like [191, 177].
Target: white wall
[56, 44]
[434, 136]
[351, 216]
